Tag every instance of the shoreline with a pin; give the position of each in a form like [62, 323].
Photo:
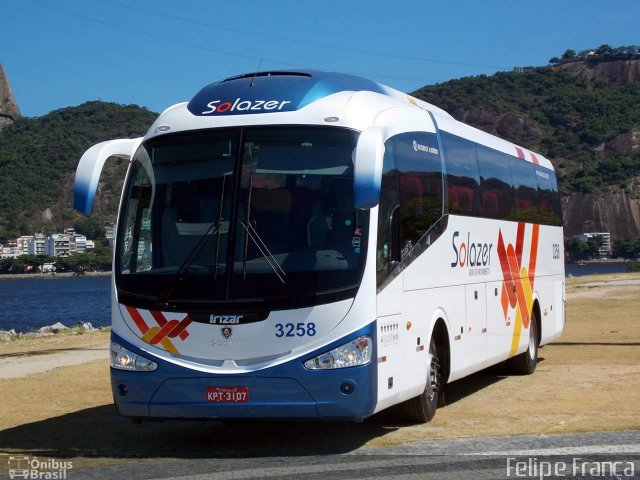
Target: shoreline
[599, 261]
[22, 276]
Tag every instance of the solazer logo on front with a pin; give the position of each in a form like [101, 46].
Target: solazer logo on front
[240, 105]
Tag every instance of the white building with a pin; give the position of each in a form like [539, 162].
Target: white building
[36, 244]
[110, 234]
[7, 251]
[77, 243]
[22, 244]
[603, 237]
[57, 245]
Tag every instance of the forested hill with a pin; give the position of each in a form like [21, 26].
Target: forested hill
[38, 158]
[583, 115]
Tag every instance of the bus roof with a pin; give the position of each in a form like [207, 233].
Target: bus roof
[291, 90]
[296, 89]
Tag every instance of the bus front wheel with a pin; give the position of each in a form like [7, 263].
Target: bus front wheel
[422, 408]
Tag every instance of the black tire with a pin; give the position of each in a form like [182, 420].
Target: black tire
[525, 363]
[422, 408]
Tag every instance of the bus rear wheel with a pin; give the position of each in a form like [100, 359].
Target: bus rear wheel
[525, 363]
[422, 408]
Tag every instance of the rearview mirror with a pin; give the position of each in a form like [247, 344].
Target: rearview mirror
[90, 167]
[368, 168]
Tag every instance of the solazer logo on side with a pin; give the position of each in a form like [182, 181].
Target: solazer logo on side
[476, 256]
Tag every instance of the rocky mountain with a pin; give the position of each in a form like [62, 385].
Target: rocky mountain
[583, 115]
[9, 110]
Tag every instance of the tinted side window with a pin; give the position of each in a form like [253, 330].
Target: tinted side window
[495, 183]
[525, 190]
[417, 158]
[463, 180]
[549, 209]
[389, 202]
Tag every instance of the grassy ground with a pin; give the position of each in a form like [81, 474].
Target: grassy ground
[73, 338]
[587, 381]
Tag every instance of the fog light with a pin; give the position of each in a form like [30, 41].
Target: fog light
[346, 388]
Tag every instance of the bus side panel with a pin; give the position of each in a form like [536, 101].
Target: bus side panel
[551, 276]
[403, 342]
[499, 327]
[493, 271]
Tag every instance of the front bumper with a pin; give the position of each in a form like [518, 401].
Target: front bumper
[288, 390]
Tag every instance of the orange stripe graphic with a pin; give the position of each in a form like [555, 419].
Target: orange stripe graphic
[517, 288]
[519, 243]
[534, 254]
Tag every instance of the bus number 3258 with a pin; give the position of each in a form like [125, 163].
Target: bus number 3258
[295, 330]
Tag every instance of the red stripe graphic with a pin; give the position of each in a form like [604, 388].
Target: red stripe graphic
[158, 317]
[520, 153]
[534, 158]
[519, 244]
[164, 331]
[137, 318]
[506, 270]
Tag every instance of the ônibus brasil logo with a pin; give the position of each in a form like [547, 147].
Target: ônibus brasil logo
[239, 105]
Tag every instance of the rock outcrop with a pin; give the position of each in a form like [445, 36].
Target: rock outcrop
[618, 72]
[626, 144]
[510, 125]
[9, 110]
[617, 212]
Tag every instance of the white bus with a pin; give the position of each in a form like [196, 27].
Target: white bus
[317, 245]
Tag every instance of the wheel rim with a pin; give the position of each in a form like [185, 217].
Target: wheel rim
[433, 378]
[533, 346]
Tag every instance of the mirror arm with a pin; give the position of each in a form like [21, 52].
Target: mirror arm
[90, 167]
[368, 168]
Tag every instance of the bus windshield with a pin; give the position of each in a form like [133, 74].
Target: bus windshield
[244, 215]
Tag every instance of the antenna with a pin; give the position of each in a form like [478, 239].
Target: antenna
[255, 74]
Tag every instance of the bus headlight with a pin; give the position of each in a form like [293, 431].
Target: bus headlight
[351, 354]
[123, 359]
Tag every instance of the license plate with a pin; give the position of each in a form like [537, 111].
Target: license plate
[227, 394]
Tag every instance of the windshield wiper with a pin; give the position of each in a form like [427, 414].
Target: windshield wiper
[264, 250]
[195, 253]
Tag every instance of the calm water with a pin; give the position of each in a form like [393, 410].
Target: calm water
[28, 304]
[593, 268]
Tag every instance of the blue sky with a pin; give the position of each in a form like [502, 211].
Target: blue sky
[60, 53]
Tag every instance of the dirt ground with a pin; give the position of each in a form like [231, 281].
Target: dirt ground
[589, 380]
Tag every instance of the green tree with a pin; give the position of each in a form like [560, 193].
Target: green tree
[90, 227]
